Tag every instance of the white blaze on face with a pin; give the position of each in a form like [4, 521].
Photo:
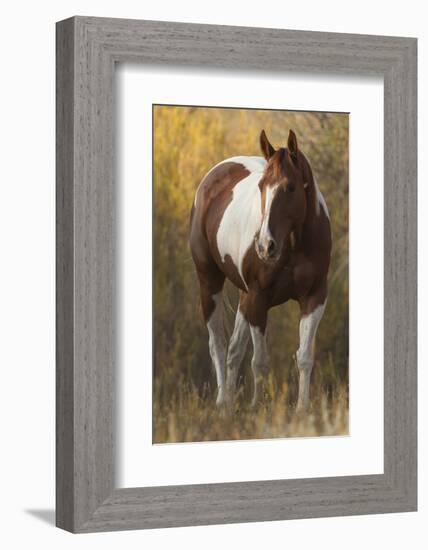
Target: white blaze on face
[265, 235]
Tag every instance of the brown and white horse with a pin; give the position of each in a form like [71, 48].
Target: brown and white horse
[262, 223]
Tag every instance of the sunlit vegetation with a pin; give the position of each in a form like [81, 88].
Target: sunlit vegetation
[188, 141]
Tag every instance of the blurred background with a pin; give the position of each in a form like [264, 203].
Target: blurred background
[188, 141]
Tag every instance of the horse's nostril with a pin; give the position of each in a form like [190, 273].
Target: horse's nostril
[271, 247]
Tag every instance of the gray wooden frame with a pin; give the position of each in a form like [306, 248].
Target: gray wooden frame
[87, 50]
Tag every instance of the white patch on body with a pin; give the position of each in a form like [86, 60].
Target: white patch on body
[217, 344]
[252, 164]
[243, 216]
[305, 354]
[320, 203]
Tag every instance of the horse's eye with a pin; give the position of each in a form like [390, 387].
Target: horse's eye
[291, 187]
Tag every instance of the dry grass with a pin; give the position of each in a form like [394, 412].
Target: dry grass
[191, 416]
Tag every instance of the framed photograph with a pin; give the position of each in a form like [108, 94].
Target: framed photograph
[236, 274]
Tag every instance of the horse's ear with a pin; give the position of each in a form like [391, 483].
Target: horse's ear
[292, 145]
[265, 146]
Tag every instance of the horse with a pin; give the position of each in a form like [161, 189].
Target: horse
[262, 223]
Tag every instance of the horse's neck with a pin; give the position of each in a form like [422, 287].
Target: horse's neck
[311, 190]
[312, 207]
[314, 216]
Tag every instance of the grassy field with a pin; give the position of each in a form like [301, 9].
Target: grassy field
[192, 416]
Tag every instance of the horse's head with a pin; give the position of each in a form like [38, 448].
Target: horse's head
[284, 202]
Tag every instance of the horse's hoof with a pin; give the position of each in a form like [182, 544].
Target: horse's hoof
[222, 400]
[302, 408]
[255, 404]
[225, 402]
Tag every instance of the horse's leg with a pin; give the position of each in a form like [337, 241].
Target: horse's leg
[259, 363]
[211, 287]
[237, 348]
[256, 314]
[312, 310]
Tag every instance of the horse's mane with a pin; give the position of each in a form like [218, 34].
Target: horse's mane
[309, 181]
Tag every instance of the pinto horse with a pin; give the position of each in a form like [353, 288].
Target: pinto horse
[263, 223]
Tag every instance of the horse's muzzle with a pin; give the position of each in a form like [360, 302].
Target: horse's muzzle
[266, 251]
